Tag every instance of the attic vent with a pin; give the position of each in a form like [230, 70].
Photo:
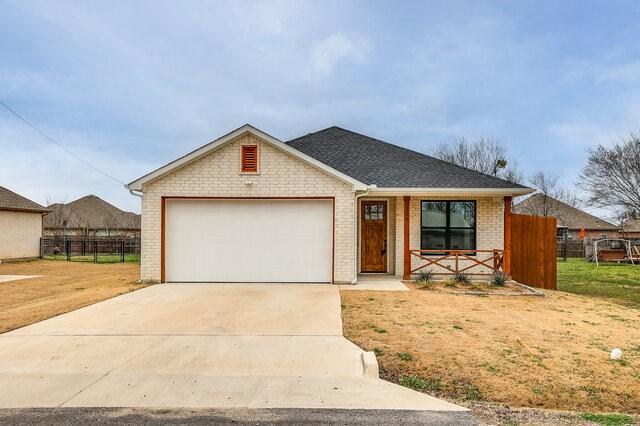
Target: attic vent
[249, 159]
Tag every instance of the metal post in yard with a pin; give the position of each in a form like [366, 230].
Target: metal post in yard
[67, 250]
[122, 251]
[40, 248]
[95, 251]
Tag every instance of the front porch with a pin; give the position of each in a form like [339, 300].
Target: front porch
[402, 235]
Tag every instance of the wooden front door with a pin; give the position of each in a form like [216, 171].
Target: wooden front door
[373, 236]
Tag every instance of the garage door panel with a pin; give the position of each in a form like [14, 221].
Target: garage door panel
[249, 240]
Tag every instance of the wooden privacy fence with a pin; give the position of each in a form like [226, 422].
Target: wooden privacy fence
[533, 251]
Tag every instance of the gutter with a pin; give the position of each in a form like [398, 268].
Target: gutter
[135, 192]
[355, 237]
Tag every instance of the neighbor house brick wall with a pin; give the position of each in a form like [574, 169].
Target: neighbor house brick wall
[489, 227]
[20, 234]
[280, 175]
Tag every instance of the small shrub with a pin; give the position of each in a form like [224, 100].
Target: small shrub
[424, 277]
[462, 278]
[608, 419]
[405, 356]
[449, 283]
[499, 278]
[419, 384]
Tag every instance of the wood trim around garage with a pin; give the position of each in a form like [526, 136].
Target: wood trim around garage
[163, 217]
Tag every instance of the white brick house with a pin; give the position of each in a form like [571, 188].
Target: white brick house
[321, 208]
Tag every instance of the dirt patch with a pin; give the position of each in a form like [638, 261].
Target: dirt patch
[61, 287]
[550, 352]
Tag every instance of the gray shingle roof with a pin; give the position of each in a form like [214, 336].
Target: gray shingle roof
[9, 200]
[375, 162]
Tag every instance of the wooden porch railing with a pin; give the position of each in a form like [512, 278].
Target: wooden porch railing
[494, 261]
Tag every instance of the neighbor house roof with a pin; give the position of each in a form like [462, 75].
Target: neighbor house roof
[90, 212]
[385, 165]
[567, 216]
[9, 200]
[631, 225]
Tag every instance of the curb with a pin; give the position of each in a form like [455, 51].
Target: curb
[370, 365]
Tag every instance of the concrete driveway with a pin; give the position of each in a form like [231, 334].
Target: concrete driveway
[199, 345]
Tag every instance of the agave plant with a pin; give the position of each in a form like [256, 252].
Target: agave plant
[499, 278]
[425, 278]
[462, 278]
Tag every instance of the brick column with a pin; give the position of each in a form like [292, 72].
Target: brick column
[405, 241]
[507, 235]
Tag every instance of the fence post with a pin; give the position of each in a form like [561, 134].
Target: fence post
[122, 251]
[40, 248]
[67, 250]
[95, 251]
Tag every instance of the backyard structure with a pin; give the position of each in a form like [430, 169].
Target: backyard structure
[20, 226]
[252, 201]
[90, 216]
[615, 250]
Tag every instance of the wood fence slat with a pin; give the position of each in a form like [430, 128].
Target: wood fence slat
[534, 250]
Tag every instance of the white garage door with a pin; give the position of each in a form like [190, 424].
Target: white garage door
[248, 240]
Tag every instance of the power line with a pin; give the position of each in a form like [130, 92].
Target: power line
[50, 139]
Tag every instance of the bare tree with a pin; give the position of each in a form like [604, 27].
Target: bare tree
[58, 216]
[483, 155]
[550, 197]
[611, 176]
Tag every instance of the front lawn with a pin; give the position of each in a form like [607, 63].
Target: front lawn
[62, 287]
[617, 282]
[548, 352]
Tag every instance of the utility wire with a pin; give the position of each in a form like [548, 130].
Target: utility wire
[50, 139]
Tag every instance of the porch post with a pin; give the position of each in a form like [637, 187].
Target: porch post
[507, 235]
[407, 255]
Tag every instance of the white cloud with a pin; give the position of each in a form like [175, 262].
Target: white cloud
[328, 52]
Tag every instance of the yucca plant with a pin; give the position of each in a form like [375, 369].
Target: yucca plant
[425, 278]
[462, 278]
[499, 278]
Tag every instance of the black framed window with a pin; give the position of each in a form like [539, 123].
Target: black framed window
[448, 225]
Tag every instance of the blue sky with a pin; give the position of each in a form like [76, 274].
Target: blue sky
[130, 86]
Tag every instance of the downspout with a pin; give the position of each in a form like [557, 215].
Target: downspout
[356, 228]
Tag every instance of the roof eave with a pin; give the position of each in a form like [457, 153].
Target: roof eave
[24, 210]
[453, 191]
[137, 184]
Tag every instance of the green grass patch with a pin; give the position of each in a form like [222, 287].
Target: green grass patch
[419, 384]
[616, 282]
[608, 419]
[405, 356]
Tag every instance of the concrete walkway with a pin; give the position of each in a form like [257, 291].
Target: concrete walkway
[199, 345]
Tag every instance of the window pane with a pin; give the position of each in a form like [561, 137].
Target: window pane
[434, 213]
[462, 214]
[462, 239]
[432, 239]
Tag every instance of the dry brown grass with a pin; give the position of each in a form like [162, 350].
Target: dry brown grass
[531, 352]
[63, 287]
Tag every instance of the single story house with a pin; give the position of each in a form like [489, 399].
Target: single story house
[571, 220]
[324, 207]
[90, 216]
[20, 226]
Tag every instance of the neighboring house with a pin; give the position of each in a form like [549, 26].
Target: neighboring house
[90, 216]
[571, 220]
[321, 208]
[631, 228]
[20, 226]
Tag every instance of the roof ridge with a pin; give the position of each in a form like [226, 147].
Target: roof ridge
[412, 151]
